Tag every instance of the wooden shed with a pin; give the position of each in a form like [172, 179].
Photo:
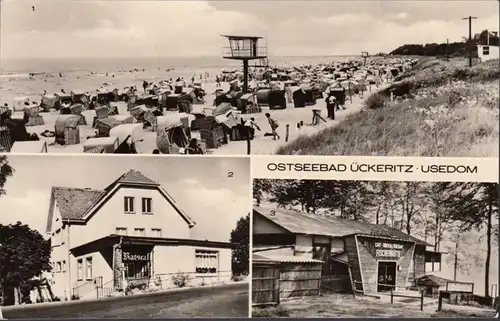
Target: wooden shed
[265, 281]
[67, 131]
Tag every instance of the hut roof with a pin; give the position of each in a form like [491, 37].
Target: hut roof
[284, 258]
[29, 147]
[124, 130]
[100, 141]
[303, 223]
[432, 280]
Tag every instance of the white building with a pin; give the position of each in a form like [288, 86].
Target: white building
[488, 52]
[131, 231]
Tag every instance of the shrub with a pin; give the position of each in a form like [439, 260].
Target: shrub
[180, 280]
[375, 101]
[75, 297]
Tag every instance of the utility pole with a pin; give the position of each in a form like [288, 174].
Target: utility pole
[455, 268]
[470, 18]
[447, 49]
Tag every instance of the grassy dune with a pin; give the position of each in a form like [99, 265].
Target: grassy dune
[439, 109]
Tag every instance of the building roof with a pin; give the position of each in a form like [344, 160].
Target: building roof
[76, 203]
[241, 37]
[432, 280]
[303, 223]
[282, 258]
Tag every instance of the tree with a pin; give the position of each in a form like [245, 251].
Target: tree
[24, 254]
[5, 171]
[260, 188]
[240, 237]
[474, 205]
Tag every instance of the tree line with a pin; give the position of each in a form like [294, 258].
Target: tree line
[432, 211]
[453, 49]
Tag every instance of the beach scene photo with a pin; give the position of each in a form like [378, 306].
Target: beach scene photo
[413, 78]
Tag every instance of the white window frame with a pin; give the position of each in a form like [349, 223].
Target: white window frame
[206, 261]
[123, 229]
[139, 231]
[129, 205]
[87, 265]
[79, 270]
[156, 232]
[144, 205]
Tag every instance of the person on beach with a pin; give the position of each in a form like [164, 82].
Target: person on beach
[217, 80]
[331, 105]
[145, 85]
[252, 126]
[193, 148]
[274, 125]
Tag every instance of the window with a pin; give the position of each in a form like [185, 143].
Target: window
[79, 269]
[128, 205]
[139, 232]
[121, 231]
[59, 267]
[156, 232]
[63, 267]
[206, 261]
[486, 51]
[88, 268]
[147, 205]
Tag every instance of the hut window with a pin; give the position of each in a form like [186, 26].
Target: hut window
[139, 232]
[121, 231]
[63, 266]
[79, 270]
[88, 268]
[156, 232]
[58, 267]
[147, 205]
[486, 51]
[206, 261]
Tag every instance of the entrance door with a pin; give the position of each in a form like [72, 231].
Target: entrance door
[386, 276]
[322, 253]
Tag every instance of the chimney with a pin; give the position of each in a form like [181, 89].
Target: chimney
[397, 225]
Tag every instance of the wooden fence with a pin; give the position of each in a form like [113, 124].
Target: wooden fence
[265, 284]
[300, 279]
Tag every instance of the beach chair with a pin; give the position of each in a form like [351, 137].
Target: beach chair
[34, 118]
[96, 150]
[4, 109]
[5, 139]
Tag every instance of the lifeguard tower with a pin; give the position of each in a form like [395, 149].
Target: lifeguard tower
[245, 49]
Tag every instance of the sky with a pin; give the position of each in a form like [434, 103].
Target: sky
[113, 28]
[200, 186]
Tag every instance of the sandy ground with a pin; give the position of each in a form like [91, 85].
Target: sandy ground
[346, 306]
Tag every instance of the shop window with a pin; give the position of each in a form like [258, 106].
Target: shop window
[128, 205]
[138, 269]
[63, 267]
[147, 205]
[88, 268]
[139, 232]
[486, 51]
[79, 269]
[121, 231]
[206, 261]
[156, 232]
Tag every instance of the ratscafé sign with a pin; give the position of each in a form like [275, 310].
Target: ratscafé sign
[464, 287]
[388, 249]
[134, 257]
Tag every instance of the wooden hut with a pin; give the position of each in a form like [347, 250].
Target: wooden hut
[108, 144]
[20, 103]
[34, 117]
[38, 146]
[171, 135]
[49, 101]
[104, 125]
[276, 99]
[248, 104]
[67, 131]
[128, 135]
[5, 139]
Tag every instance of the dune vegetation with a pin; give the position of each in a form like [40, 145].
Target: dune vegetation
[439, 108]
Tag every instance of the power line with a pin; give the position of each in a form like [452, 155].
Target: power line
[470, 18]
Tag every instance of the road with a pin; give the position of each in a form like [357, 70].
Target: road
[221, 301]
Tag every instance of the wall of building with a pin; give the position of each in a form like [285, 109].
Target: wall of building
[369, 263]
[112, 215]
[352, 256]
[287, 251]
[169, 261]
[264, 226]
[85, 287]
[304, 246]
[494, 53]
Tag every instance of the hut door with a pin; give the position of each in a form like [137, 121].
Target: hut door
[322, 252]
[386, 276]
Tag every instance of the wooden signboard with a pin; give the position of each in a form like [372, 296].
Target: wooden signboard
[463, 287]
[383, 249]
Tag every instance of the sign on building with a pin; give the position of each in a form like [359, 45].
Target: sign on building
[388, 249]
[464, 287]
[135, 257]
